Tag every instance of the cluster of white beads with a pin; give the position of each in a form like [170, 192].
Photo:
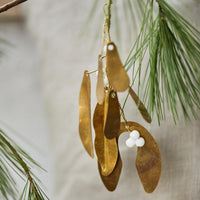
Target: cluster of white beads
[135, 139]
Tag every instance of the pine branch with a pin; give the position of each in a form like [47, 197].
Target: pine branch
[11, 5]
[172, 72]
[15, 157]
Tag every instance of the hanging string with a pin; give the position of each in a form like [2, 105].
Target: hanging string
[108, 19]
[106, 26]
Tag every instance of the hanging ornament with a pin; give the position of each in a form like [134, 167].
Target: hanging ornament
[107, 122]
[108, 127]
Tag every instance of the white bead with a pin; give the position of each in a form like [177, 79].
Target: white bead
[135, 134]
[130, 142]
[140, 142]
[110, 47]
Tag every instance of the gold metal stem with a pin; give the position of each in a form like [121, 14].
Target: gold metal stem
[124, 118]
[93, 71]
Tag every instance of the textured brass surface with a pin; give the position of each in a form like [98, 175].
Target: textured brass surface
[112, 180]
[106, 149]
[112, 120]
[100, 82]
[117, 77]
[141, 107]
[85, 115]
[148, 161]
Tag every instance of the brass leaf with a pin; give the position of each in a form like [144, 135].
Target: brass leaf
[117, 76]
[100, 82]
[148, 161]
[112, 122]
[85, 115]
[141, 107]
[112, 180]
[106, 150]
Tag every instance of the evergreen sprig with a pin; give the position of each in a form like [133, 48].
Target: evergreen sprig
[12, 157]
[172, 72]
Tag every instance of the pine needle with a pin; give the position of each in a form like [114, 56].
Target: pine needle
[12, 157]
[172, 74]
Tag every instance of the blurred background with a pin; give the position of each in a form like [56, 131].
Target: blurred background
[41, 69]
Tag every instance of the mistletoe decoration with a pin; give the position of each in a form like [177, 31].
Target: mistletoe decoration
[170, 78]
[112, 78]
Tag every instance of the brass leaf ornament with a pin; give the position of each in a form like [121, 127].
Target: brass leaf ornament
[148, 160]
[117, 77]
[142, 109]
[112, 119]
[148, 165]
[85, 115]
[112, 180]
[100, 82]
[108, 126]
[106, 149]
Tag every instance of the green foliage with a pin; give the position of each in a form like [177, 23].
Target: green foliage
[13, 158]
[172, 73]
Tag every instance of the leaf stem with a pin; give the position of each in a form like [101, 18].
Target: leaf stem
[124, 118]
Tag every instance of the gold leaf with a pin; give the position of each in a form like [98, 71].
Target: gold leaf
[106, 150]
[112, 180]
[117, 76]
[141, 107]
[112, 122]
[85, 115]
[100, 82]
[148, 161]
